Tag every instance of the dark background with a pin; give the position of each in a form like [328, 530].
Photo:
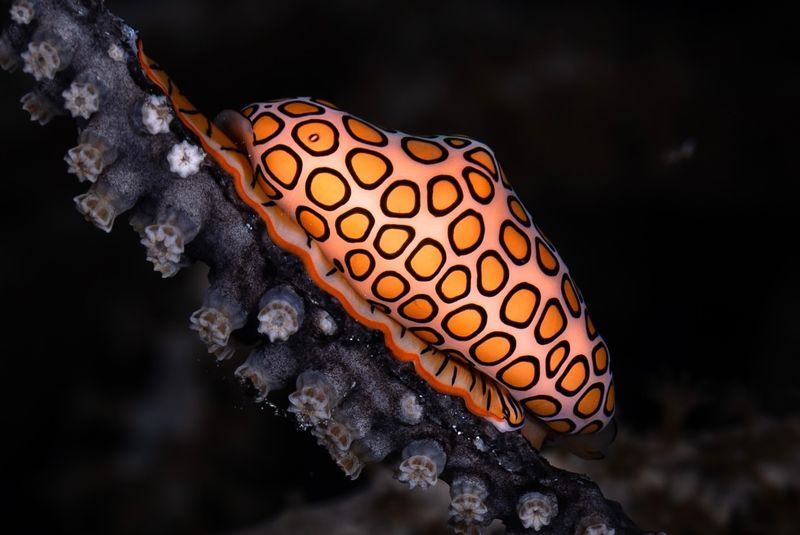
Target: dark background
[657, 147]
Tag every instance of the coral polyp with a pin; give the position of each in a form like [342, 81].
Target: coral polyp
[157, 116]
[184, 158]
[313, 400]
[81, 99]
[537, 510]
[164, 245]
[41, 60]
[423, 462]
[282, 312]
[22, 12]
[97, 209]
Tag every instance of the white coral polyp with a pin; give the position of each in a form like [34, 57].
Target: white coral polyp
[249, 374]
[278, 320]
[41, 60]
[39, 107]
[311, 404]
[97, 210]
[418, 471]
[85, 161]
[81, 99]
[350, 464]
[22, 12]
[212, 325]
[536, 510]
[164, 245]
[410, 408]
[156, 114]
[334, 434]
[467, 505]
[116, 53]
[326, 323]
[468, 508]
[185, 159]
[214, 328]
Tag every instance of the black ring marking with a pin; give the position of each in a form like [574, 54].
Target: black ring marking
[318, 111]
[544, 397]
[549, 370]
[369, 270]
[481, 325]
[467, 286]
[428, 300]
[385, 275]
[518, 261]
[335, 173]
[576, 409]
[496, 256]
[483, 200]
[410, 233]
[507, 298]
[451, 232]
[405, 141]
[385, 197]
[553, 302]
[295, 157]
[579, 360]
[512, 345]
[470, 155]
[348, 161]
[281, 126]
[354, 211]
[348, 118]
[459, 195]
[304, 144]
[436, 245]
[528, 358]
[326, 231]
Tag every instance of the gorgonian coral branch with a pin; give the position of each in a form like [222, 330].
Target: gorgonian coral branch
[346, 388]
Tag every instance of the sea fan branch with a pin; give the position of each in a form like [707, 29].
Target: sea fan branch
[362, 404]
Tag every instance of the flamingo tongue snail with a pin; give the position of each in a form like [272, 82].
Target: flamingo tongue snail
[424, 239]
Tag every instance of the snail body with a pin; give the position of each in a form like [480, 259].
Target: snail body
[424, 239]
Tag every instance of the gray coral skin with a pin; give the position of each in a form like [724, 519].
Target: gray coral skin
[363, 383]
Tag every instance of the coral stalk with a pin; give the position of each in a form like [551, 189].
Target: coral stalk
[362, 403]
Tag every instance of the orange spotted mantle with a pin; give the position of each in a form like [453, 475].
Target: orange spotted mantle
[424, 239]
